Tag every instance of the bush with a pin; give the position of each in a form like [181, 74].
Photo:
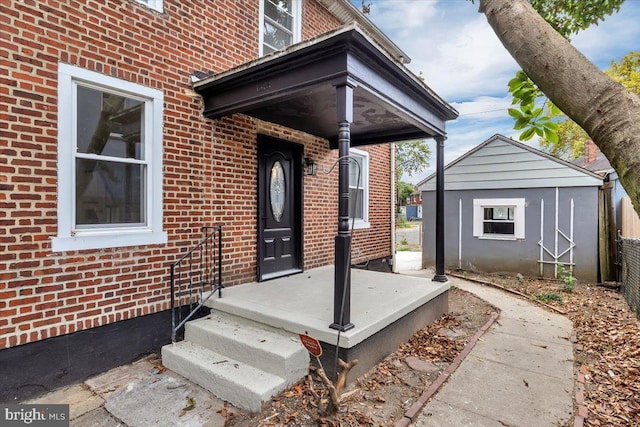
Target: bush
[569, 282]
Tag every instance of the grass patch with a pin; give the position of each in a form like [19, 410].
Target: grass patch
[402, 223]
[548, 297]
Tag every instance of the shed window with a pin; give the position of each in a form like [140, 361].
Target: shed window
[498, 218]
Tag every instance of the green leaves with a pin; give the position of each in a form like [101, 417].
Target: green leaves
[566, 142]
[560, 136]
[405, 190]
[571, 16]
[523, 89]
[550, 134]
[412, 157]
[527, 134]
[627, 72]
[528, 117]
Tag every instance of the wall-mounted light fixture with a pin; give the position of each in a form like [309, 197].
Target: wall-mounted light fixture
[312, 167]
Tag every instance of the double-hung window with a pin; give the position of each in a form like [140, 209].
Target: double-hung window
[280, 24]
[109, 162]
[500, 219]
[359, 188]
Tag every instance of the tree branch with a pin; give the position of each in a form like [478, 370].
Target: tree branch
[334, 391]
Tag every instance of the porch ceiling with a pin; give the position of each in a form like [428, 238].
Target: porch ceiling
[297, 88]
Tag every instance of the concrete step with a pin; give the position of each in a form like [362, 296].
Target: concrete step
[242, 385]
[266, 348]
[238, 360]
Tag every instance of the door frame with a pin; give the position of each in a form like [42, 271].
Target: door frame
[297, 203]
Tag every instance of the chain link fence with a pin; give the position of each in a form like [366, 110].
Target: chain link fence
[629, 264]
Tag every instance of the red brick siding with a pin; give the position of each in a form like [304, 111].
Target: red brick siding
[209, 166]
[316, 19]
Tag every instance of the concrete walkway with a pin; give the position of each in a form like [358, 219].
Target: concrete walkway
[139, 395]
[520, 373]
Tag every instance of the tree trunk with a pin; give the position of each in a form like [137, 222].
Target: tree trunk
[603, 108]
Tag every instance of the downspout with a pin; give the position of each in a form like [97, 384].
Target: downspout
[394, 267]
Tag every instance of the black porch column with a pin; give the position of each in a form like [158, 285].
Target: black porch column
[440, 276]
[342, 275]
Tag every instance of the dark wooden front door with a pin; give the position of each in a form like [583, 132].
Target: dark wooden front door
[279, 208]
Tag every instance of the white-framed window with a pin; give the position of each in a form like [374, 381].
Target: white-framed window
[280, 24]
[500, 219]
[153, 4]
[359, 188]
[109, 162]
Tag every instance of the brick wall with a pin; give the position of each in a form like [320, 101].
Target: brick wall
[210, 167]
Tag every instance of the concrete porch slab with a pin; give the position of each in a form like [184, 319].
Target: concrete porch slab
[386, 310]
[303, 303]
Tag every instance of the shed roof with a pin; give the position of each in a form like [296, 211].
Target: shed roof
[500, 162]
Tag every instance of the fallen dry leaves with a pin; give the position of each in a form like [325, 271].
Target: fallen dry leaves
[609, 347]
[380, 397]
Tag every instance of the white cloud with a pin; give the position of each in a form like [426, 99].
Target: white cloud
[458, 53]
[473, 62]
[402, 15]
[461, 57]
[484, 107]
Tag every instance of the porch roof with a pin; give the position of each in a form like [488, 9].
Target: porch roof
[297, 88]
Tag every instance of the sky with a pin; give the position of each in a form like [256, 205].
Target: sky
[463, 61]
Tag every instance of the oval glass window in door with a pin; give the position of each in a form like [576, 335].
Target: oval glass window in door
[277, 190]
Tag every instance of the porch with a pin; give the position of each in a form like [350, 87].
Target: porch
[344, 88]
[263, 319]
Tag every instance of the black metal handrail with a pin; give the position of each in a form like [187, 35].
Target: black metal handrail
[195, 277]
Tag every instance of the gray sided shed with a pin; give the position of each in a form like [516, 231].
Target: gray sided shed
[512, 208]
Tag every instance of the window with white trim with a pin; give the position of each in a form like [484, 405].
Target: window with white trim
[153, 4]
[109, 162]
[359, 188]
[500, 219]
[280, 24]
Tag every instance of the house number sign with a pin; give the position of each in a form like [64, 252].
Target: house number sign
[262, 86]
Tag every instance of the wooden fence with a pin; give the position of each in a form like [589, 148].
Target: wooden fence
[630, 221]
